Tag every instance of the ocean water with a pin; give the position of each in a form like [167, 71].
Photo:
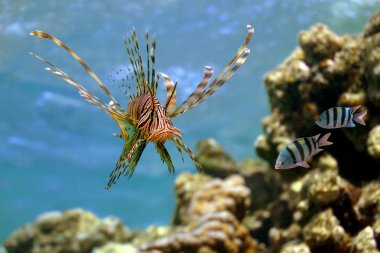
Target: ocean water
[56, 150]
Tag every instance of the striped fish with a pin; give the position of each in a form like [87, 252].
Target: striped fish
[339, 117]
[298, 151]
[146, 120]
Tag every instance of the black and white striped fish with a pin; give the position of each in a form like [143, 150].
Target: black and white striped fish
[339, 117]
[298, 151]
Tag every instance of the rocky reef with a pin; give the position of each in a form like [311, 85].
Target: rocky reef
[247, 206]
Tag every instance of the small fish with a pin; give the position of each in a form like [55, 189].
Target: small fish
[145, 119]
[339, 117]
[298, 151]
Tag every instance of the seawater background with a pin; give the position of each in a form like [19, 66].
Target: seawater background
[56, 149]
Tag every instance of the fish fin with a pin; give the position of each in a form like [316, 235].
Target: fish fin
[355, 108]
[132, 150]
[315, 137]
[165, 156]
[323, 141]
[358, 117]
[118, 116]
[188, 151]
[171, 96]
[303, 164]
[179, 148]
[207, 74]
[317, 151]
[201, 94]
[44, 35]
[350, 125]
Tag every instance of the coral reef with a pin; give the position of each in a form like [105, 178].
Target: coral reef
[248, 206]
[325, 71]
[71, 231]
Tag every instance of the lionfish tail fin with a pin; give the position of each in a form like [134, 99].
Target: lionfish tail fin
[165, 156]
[188, 151]
[41, 34]
[171, 96]
[201, 94]
[324, 140]
[359, 117]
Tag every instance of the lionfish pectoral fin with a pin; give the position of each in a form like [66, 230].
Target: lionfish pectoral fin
[87, 95]
[165, 156]
[220, 79]
[130, 155]
[118, 136]
[207, 74]
[179, 148]
[188, 151]
[44, 35]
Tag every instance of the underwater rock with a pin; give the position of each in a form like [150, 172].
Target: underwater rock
[217, 195]
[279, 237]
[113, 247]
[185, 186]
[150, 234]
[373, 25]
[214, 160]
[373, 143]
[70, 231]
[365, 242]
[325, 234]
[368, 205]
[263, 182]
[258, 224]
[336, 71]
[319, 43]
[208, 218]
[295, 248]
[214, 232]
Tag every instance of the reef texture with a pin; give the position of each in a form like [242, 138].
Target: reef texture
[71, 231]
[249, 207]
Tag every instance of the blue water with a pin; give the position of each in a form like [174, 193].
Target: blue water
[56, 150]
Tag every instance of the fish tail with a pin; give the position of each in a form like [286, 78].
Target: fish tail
[355, 108]
[358, 117]
[323, 141]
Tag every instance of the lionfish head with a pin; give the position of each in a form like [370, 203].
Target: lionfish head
[165, 132]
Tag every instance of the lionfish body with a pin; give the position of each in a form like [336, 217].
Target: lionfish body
[155, 129]
[145, 119]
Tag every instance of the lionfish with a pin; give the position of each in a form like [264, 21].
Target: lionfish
[145, 119]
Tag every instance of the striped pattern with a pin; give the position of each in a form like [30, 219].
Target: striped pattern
[336, 117]
[41, 34]
[171, 95]
[207, 74]
[150, 118]
[146, 120]
[299, 151]
[203, 91]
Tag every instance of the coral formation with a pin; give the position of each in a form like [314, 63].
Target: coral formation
[247, 206]
[71, 231]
